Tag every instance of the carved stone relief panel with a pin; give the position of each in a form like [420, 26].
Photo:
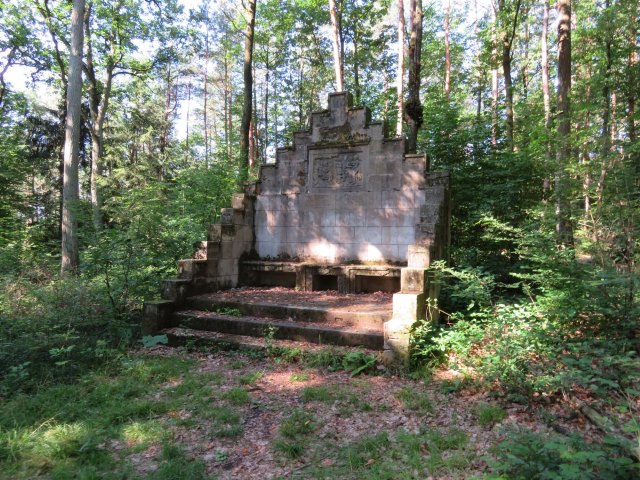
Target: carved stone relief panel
[337, 170]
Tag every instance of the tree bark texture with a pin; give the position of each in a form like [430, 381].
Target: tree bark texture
[245, 125]
[400, 74]
[447, 50]
[494, 78]
[564, 227]
[337, 47]
[413, 107]
[508, 36]
[70, 257]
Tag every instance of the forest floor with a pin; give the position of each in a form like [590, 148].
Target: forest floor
[169, 413]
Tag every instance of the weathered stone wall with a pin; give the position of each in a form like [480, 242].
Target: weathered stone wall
[342, 193]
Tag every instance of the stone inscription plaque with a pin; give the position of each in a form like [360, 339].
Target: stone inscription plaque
[338, 171]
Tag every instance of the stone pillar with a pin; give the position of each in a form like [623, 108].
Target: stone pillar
[409, 305]
[156, 316]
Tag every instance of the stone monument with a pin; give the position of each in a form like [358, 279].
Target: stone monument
[343, 208]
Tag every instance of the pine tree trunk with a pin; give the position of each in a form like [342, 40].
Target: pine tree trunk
[447, 52]
[546, 96]
[205, 95]
[413, 108]
[356, 69]
[337, 48]
[564, 227]
[98, 105]
[70, 255]
[494, 79]
[245, 125]
[400, 74]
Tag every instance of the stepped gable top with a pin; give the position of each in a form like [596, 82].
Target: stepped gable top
[341, 193]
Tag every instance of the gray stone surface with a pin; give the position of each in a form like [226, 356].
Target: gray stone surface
[344, 193]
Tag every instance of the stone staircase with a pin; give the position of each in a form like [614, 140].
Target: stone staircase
[242, 315]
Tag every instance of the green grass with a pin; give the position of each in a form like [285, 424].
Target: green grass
[317, 394]
[401, 456]
[64, 431]
[299, 422]
[489, 415]
[414, 400]
[299, 377]
[226, 422]
[237, 396]
[250, 378]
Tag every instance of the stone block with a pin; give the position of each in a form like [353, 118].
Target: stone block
[368, 235]
[413, 280]
[192, 268]
[397, 335]
[412, 179]
[156, 316]
[215, 233]
[342, 218]
[398, 235]
[408, 307]
[382, 182]
[226, 216]
[212, 268]
[418, 256]
[213, 250]
[357, 219]
[227, 267]
[402, 199]
[238, 201]
[228, 232]
[251, 188]
[175, 289]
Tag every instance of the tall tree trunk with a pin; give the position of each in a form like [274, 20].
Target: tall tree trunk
[586, 147]
[98, 105]
[356, 69]
[187, 123]
[605, 153]
[400, 74]
[508, 36]
[245, 125]
[413, 108]
[447, 52]
[564, 227]
[70, 256]
[632, 89]
[479, 80]
[228, 121]
[494, 78]
[546, 96]
[266, 107]
[3, 71]
[337, 47]
[205, 94]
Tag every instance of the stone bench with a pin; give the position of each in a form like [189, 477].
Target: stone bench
[309, 276]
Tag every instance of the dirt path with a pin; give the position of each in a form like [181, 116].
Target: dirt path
[300, 422]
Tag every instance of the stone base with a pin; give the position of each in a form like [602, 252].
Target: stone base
[175, 290]
[156, 316]
[396, 340]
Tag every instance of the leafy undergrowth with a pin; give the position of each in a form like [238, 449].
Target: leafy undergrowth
[172, 413]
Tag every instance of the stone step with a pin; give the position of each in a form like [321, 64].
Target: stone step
[319, 333]
[365, 318]
[227, 341]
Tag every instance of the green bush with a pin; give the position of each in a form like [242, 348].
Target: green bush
[55, 330]
[526, 455]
